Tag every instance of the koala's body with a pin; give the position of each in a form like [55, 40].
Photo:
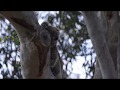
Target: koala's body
[56, 64]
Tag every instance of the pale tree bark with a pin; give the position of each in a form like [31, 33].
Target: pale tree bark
[97, 73]
[118, 47]
[35, 45]
[109, 21]
[102, 29]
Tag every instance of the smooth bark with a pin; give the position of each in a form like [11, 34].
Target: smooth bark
[118, 48]
[34, 49]
[96, 32]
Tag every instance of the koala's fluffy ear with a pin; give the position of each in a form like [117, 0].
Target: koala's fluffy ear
[45, 38]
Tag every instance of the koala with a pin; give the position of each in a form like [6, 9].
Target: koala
[55, 60]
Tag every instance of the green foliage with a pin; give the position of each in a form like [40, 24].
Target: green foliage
[73, 38]
[72, 43]
[9, 52]
[0, 39]
[16, 41]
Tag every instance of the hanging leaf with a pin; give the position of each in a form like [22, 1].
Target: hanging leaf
[0, 39]
[16, 41]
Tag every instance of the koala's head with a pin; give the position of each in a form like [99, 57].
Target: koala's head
[54, 32]
[45, 25]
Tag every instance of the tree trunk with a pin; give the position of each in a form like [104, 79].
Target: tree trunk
[102, 28]
[35, 45]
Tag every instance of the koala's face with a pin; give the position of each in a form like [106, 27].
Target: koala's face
[54, 32]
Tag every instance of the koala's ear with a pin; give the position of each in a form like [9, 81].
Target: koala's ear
[45, 38]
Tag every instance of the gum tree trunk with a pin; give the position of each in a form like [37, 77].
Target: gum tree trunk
[34, 44]
[103, 28]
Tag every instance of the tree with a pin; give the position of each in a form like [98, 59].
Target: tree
[103, 29]
[35, 45]
[72, 28]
